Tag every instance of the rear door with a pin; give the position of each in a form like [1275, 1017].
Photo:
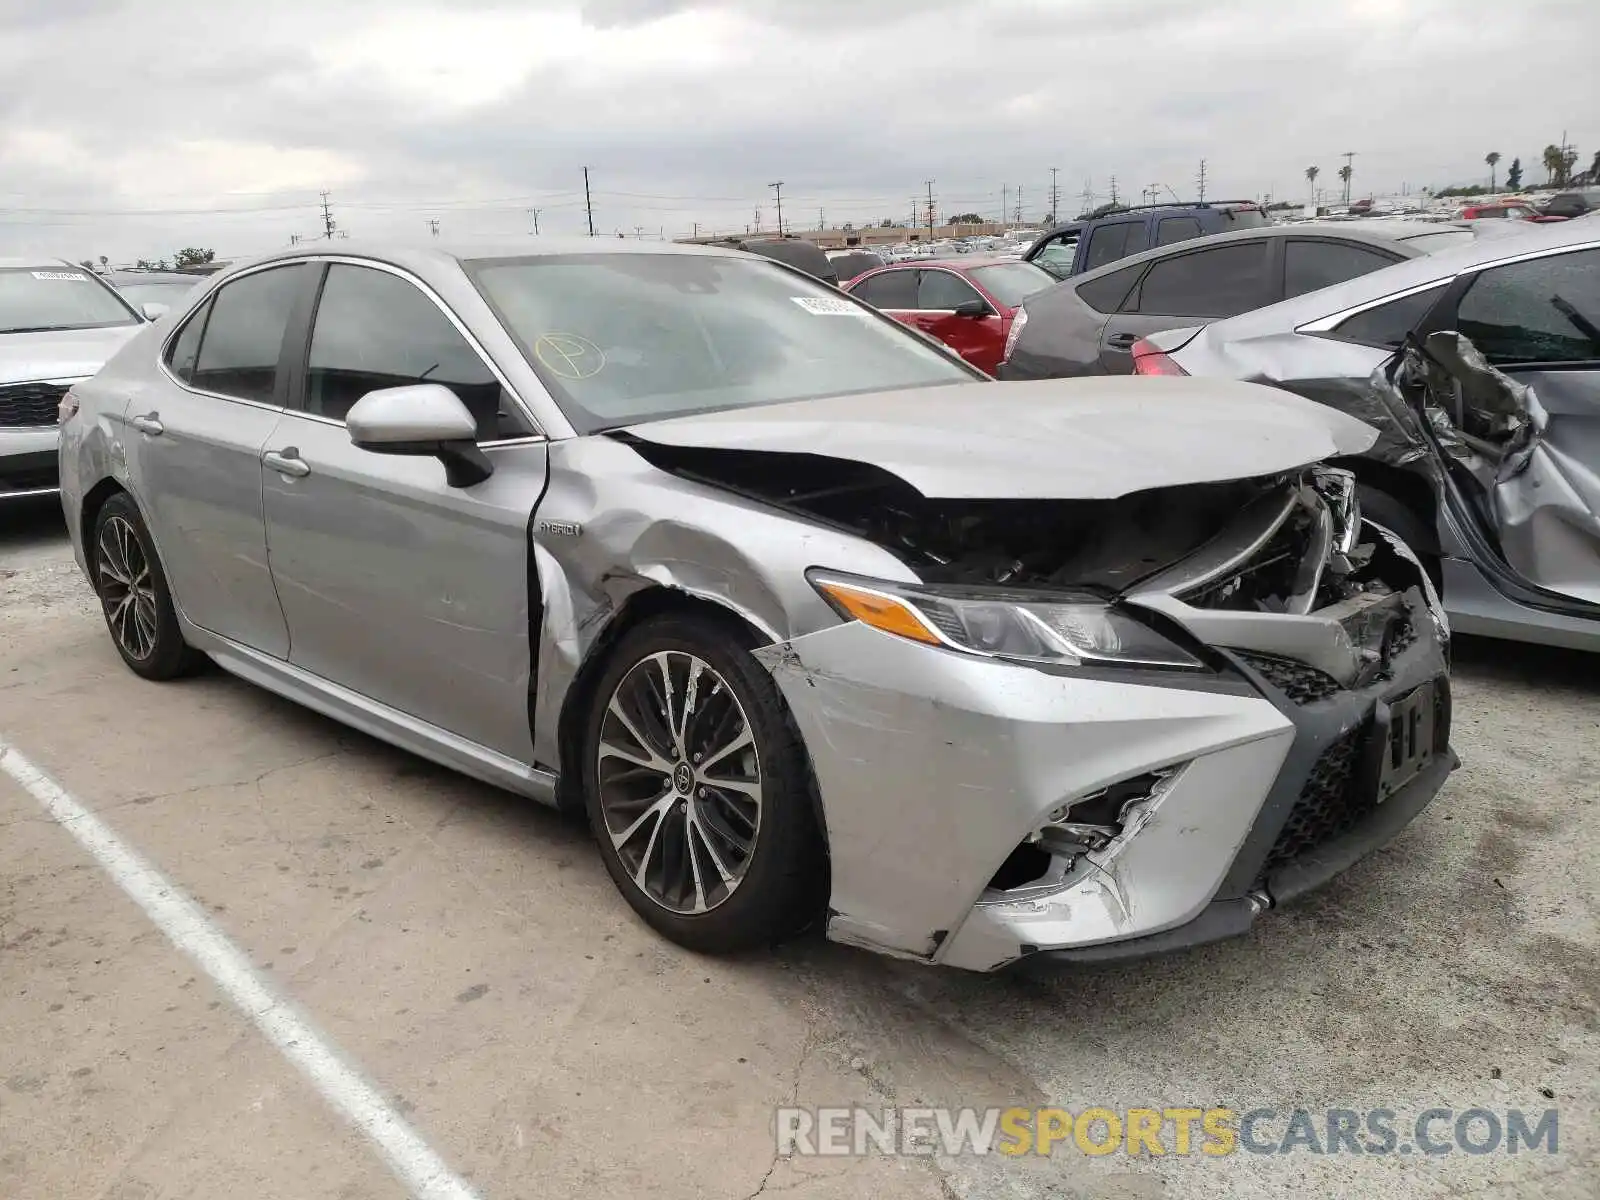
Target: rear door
[194, 454]
[395, 585]
[1192, 287]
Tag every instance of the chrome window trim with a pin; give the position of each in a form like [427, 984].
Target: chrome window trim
[1328, 323]
[177, 331]
[538, 433]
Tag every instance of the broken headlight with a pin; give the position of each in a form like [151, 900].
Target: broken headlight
[1066, 628]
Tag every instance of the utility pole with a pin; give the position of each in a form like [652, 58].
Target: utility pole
[588, 203]
[1019, 204]
[778, 187]
[1349, 162]
[638, 233]
[697, 230]
[821, 221]
[758, 218]
[1055, 198]
[1113, 189]
[1155, 193]
[1088, 194]
[1202, 180]
[327, 218]
[1004, 192]
[534, 213]
[930, 212]
[433, 226]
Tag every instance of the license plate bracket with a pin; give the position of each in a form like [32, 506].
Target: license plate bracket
[1408, 746]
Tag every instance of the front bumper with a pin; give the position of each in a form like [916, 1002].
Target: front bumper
[932, 767]
[28, 462]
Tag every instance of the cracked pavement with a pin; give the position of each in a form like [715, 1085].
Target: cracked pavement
[468, 950]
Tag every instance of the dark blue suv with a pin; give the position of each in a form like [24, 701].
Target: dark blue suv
[1105, 236]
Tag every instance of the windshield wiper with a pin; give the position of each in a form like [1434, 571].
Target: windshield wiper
[41, 328]
[1582, 323]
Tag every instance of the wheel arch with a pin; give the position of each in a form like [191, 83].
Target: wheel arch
[1409, 489]
[647, 603]
[93, 501]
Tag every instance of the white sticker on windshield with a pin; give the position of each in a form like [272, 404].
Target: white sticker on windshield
[58, 275]
[827, 306]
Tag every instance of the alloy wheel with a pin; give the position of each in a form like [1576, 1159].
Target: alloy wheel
[679, 781]
[126, 588]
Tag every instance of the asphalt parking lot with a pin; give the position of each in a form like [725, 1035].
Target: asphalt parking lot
[468, 954]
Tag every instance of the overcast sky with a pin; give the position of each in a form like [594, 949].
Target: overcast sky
[126, 125]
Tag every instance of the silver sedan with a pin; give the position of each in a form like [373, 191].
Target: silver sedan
[814, 623]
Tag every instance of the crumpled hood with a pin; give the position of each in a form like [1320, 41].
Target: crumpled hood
[60, 354]
[1055, 439]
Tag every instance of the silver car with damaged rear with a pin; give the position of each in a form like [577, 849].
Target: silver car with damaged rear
[808, 618]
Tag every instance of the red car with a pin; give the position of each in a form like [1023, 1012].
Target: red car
[1509, 210]
[966, 303]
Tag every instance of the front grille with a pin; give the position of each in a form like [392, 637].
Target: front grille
[26, 404]
[1329, 806]
[1301, 682]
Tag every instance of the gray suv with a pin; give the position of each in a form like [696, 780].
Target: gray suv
[59, 323]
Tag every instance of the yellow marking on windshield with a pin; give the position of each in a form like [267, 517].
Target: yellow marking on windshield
[569, 356]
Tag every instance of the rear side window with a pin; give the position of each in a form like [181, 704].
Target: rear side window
[1545, 310]
[1309, 265]
[1177, 229]
[1388, 324]
[1111, 242]
[185, 348]
[243, 336]
[1107, 293]
[376, 330]
[891, 289]
[1220, 282]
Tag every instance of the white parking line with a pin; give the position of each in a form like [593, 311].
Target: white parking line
[192, 931]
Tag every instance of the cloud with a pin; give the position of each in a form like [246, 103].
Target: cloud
[118, 122]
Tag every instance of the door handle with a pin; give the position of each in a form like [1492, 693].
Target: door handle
[148, 423]
[287, 462]
[1122, 341]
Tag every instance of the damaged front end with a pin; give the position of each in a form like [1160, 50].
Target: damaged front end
[1104, 727]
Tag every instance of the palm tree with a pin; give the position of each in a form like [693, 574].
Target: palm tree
[1493, 159]
[1344, 173]
[1552, 159]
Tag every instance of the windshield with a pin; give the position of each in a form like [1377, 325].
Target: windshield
[1246, 218]
[624, 338]
[36, 299]
[159, 291]
[1012, 283]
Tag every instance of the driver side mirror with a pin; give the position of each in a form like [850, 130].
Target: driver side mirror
[152, 310]
[422, 419]
[973, 308]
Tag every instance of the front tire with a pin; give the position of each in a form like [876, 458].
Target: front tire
[698, 788]
[1405, 524]
[134, 595]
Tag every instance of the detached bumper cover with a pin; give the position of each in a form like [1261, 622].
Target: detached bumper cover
[933, 766]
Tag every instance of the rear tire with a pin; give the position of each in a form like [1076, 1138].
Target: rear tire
[134, 595]
[698, 788]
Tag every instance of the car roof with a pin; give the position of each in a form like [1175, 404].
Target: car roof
[153, 277]
[38, 260]
[957, 262]
[431, 255]
[1423, 271]
[1371, 233]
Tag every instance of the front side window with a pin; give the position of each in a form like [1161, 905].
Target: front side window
[1309, 265]
[1388, 324]
[184, 350]
[52, 297]
[243, 337]
[944, 290]
[1221, 282]
[1544, 310]
[889, 289]
[375, 330]
[619, 338]
[1177, 229]
[1111, 242]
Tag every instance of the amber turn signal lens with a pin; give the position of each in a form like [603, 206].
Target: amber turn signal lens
[881, 612]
